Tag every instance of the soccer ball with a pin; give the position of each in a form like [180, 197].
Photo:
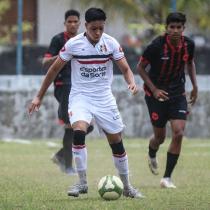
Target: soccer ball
[110, 187]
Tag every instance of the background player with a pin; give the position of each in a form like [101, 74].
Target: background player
[167, 57]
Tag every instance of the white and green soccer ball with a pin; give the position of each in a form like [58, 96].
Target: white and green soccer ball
[110, 187]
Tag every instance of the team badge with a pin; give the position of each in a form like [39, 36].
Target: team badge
[103, 48]
[155, 116]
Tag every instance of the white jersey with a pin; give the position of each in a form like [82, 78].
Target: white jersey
[92, 67]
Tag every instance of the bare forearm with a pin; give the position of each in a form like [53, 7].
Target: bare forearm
[128, 76]
[192, 74]
[145, 77]
[50, 76]
[46, 62]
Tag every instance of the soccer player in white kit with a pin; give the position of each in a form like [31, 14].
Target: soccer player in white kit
[91, 54]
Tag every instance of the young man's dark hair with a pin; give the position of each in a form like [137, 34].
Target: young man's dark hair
[176, 17]
[71, 12]
[94, 14]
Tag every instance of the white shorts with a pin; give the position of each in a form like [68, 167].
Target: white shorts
[106, 115]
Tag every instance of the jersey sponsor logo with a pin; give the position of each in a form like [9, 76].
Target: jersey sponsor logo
[91, 73]
[155, 116]
[164, 58]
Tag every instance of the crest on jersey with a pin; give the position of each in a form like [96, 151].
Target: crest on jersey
[103, 48]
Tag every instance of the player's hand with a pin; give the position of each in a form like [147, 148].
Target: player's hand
[34, 105]
[193, 96]
[160, 95]
[133, 88]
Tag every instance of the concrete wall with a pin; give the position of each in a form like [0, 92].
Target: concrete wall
[17, 92]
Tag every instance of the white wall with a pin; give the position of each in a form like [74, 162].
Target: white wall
[17, 92]
[50, 17]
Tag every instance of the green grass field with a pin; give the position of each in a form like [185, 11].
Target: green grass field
[29, 181]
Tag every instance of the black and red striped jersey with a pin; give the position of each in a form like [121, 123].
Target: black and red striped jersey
[56, 44]
[167, 63]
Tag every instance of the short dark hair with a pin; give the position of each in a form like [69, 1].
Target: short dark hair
[176, 17]
[71, 12]
[94, 14]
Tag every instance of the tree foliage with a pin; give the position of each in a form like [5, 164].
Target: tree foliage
[4, 6]
[155, 11]
[8, 32]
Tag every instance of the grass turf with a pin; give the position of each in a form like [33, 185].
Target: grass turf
[29, 180]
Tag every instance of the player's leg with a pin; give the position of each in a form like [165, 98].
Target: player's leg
[67, 148]
[80, 158]
[120, 159]
[178, 112]
[154, 143]
[173, 152]
[158, 116]
[109, 120]
[62, 95]
[80, 118]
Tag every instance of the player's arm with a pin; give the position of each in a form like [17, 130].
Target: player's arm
[47, 61]
[52, 52]
[192, 74]
[49, 78]
[128, 75]
[157, 93]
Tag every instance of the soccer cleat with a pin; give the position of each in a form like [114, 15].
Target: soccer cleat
[90, 129]
[77, 189]
[166, 182]
[59, 161]
[153, 165]
[132, 192]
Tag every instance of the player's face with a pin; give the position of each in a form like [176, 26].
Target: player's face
[72, 24]
[94, 30]
[175, 30]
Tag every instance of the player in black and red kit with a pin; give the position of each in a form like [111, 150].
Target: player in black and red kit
[62, 86]
[162, 67]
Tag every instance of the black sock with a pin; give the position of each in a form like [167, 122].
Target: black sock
[170, 164]
[152, 152]
[67, 147]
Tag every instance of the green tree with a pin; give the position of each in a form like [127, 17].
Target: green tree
[8, 33]
[154, 12]
[4, 6]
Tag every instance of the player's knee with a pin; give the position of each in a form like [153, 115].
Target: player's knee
[178, 134]
[79, 137]
[117, 148]
[160, 138]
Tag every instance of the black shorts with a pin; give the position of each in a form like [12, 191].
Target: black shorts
[161, 112]
[61, 93]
